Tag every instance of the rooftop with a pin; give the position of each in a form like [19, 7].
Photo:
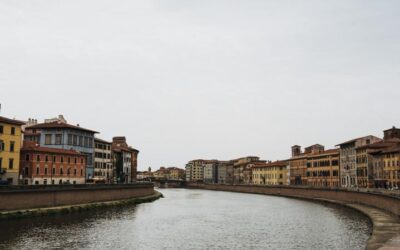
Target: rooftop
[59, 125]
[29, 146]
[11, 121]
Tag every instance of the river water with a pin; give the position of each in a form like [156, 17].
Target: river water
[196, 219]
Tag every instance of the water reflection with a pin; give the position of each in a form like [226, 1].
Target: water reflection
[196, 219]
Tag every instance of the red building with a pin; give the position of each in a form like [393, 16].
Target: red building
[43, 165]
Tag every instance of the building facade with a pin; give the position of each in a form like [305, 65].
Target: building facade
[44, 165]
[124, 160]
[298, 163]
[195, 171]
[60, 135]
[242, 173]
[10, 145]
[103, 165]
[176, 174]
[323, 169]
[271, 173]
[349, 165]
[211, 172]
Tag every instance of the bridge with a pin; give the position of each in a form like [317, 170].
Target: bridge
[166, 183]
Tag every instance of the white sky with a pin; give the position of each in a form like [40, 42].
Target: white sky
[185, 79]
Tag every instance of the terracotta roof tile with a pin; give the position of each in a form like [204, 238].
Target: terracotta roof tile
[11, 121]
[59, 125]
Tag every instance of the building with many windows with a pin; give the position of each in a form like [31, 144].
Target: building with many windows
[271, 173]
[44, 165]
[103, 166]
[298, 163]
[350, 167]
[195, 171]
[380, 159]
[242, 173]
[124, 159]
[323, 169]
[211, 171]
[10, 145]
[61, 135]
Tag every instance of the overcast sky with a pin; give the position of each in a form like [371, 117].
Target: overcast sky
[185, 79]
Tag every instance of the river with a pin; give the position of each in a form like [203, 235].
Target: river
[196, 219]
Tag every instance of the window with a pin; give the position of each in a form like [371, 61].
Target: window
[2, 148]
[86, 142]
[81, 172]
[1, 162]
[58, 139]
[1, 129]
[12, 146]
[75, 171]
[37, 170]
[61, 171]
[54, 171]
[69, 159]
[38, 158]
[62, 159]
[69, 139]
[45, 171]
[13, 130]
[27, 157]
[47, 139]
[46, 158]
[75, 160]
[54, 158]
[75, 142]
[80, 141]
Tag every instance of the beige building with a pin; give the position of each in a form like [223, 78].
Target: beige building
[271, 173]
[195, 171]
[350, 167]
[242, 169]
[103, 166]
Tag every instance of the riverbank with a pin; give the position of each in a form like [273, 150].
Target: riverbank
[386, 225]
[15, 214]
[16, 198]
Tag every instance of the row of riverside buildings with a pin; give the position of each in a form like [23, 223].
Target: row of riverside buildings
[164, 173]
[55, 152]
[365, 162]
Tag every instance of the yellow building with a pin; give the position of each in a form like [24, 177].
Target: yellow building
[273, 173]
[10, 145]
[391, 166]
[386, 164]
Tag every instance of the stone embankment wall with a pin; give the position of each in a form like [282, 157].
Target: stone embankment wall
[381, 201]
[28, 197]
